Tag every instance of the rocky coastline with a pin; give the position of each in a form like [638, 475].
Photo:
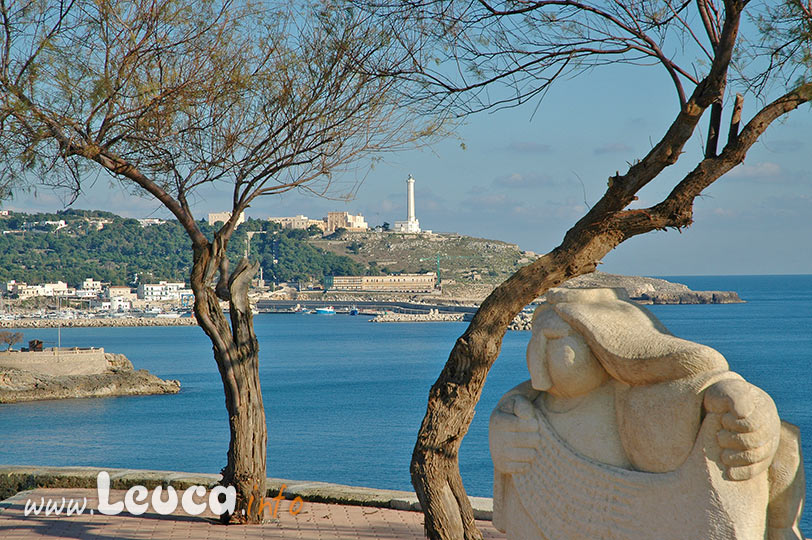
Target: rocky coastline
[120, 378]
[646, 290]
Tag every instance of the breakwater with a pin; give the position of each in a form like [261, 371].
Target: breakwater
[97, 322]
[432, 316]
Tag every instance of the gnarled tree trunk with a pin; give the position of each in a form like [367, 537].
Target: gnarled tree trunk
[236, 352]
[452, 399]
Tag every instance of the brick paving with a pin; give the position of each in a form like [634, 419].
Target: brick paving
[314, 521]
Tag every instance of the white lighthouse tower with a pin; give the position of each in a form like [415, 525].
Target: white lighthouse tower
[411, 225]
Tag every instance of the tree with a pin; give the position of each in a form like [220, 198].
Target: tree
[10, 338]
[490, 55]
[167, 97]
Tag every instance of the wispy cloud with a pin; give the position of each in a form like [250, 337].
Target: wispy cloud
[529, 147]
[519, 180]
[761, 170]
[613, 148]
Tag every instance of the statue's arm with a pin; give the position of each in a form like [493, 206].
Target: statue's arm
[750, 426]
[513, 433]
[513, 438]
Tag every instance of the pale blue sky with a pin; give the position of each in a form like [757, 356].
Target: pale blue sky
[517, 180]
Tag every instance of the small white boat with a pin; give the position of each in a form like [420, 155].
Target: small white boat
[329, 310]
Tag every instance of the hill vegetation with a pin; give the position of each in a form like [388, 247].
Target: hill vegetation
[35, 251]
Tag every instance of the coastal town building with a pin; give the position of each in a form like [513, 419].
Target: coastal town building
[345, 220]
[411, 225]
[8, 287]
[299, 222]
[162, 291]
[411, 283]
[20, 289]
[225, 216]
[91, 284]
[119, 291]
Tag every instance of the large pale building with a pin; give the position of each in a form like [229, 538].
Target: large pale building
[161, 291]
[411, 283]
[345, 220]
[299, 222]
[225, 216]
[411, 225]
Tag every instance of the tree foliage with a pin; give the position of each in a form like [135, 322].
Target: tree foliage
[168, 97]
[10, 338]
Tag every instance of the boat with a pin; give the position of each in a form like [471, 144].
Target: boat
[353, 310]
[329, 310]
[299, 309]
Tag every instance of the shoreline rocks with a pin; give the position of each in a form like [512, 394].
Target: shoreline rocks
[646, 290]
[432, 316]
[120, 379]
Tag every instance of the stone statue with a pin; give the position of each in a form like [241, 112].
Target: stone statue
[626, 432]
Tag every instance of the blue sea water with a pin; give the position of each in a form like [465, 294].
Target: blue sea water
[344, 398]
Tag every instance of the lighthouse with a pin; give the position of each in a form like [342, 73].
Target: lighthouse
[411, 225]
[410, 199]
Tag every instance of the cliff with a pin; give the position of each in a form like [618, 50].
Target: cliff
[118, 378]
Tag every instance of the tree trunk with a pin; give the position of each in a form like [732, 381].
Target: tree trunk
[236, 352]
[452, 399]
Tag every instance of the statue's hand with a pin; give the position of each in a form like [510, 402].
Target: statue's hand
[513, 435]
[750, 427]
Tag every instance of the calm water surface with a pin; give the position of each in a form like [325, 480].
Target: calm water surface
[344, 397]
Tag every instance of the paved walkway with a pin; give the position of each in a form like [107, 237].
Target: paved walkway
[314, 521]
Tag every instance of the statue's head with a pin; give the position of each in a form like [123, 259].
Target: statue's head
[559, 360]
[582, 336]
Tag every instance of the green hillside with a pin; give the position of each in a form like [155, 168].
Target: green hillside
[110, 248]
[35, 252]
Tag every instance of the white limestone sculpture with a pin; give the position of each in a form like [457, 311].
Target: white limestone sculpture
[626, 432]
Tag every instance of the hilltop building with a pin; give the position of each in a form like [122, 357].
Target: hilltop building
[146, 222]
[345, 220]
[299, 222]
[224, 216]
[410, 283]
[411, 225]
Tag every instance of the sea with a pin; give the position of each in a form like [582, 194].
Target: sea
[344, 397]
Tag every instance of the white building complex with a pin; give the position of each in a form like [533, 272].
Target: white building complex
[299, 222]
[411, 225]
[345, 220]
[225, 216]
[162, 291]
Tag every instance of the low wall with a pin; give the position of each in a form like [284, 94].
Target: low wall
[55, 362]
[16, 478]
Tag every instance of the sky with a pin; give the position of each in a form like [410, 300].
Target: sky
[525, 175]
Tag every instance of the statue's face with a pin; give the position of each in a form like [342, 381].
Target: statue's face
[559, 360]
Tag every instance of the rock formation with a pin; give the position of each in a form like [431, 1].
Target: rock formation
[118, 379]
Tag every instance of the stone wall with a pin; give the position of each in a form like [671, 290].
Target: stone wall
[57, 362]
